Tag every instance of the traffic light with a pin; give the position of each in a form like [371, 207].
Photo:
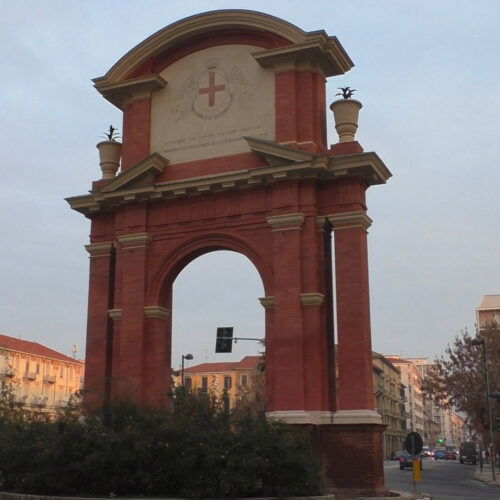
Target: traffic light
[224, 341]
[440, 440]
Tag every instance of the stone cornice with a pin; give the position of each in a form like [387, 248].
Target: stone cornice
[284, 163]
[121, 93]
[312, 299]
[156, 312]
[356, 417]
[302, 417]
[135, 240]
[286, 221]
[267, 302]
[99, 249]
[316, 53]
[349, 219]
[115, 314]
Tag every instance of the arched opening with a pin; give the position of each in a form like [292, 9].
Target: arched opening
[217, 289]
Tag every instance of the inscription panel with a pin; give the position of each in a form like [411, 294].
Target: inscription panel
[213, 99]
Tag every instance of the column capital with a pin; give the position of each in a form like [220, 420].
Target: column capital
[312, 299]
[349, 220]
[135, 240]
[115, 314]
[286, 222]
[99, 249]
[267, 302]
[156, 312]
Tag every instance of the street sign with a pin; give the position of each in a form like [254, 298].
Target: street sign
[414, 443]
[224, 341]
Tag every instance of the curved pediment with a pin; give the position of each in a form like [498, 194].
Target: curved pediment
[216, 27]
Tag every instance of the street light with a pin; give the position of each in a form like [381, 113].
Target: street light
[184, 356]
[477, 342]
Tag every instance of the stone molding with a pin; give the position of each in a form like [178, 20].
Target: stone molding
[350, 219]
[317, 54]
[99, 249]
[156, 312]
[267, 302]
[115, 314]
[135, 240]
[312, 299]
[122, 93]
[286, 222]
[354, 417]
[192, 26]
[302, 417]
[283, 163]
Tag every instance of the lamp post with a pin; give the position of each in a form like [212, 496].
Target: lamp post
[184, 356]
[477, 342]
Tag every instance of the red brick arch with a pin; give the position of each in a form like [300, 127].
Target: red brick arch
[187, 251]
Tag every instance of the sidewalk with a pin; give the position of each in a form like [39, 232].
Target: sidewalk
[485, 476]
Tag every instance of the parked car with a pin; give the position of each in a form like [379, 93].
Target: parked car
[406, 460]
[440, 454]
[468, 453]
[451, 455]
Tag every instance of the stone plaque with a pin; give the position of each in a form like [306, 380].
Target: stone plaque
[213, 98]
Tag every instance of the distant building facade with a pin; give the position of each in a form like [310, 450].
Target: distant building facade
[442, 427]
[41, 379]
[389, 402]
[488, 311]
[411, 378]
[235, 379]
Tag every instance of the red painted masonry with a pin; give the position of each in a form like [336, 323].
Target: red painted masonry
[283, 225]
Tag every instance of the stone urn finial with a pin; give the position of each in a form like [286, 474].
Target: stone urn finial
[109, 153]
[346, 114]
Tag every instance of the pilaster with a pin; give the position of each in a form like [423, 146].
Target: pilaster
[353, 310]
[99, 324]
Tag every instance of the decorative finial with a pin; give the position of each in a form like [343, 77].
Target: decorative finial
[112, 134]
[346, 92]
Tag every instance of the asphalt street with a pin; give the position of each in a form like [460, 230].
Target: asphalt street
[441, 480]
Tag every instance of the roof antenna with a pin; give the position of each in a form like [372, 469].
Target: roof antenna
[74, 350]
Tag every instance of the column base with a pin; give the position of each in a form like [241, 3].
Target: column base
[352, 456]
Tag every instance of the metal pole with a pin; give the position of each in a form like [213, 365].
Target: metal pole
[487, 377]
[182, 371]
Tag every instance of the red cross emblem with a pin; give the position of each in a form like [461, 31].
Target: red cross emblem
[211, 89]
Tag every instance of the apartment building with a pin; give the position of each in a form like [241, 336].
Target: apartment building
[41, 379]
[488, 311]
[236, 379]
[389, 402]
[411, 378]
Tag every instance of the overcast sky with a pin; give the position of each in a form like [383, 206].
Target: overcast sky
[428, 75]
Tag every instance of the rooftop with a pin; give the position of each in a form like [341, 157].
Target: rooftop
[34, 348]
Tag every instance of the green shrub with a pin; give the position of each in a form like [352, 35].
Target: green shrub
[197, 450]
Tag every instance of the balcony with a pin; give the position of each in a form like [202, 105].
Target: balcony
[49, 379]
[29, 376]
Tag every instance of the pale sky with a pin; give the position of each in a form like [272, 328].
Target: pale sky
[427, 73]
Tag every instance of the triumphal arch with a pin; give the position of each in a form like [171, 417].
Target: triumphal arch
[225, 147]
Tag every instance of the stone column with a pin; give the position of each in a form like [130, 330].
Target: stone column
[99, 324]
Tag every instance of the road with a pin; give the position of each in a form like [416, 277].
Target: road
[442, 480]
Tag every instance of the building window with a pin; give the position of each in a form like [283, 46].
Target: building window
[187, 382]
[61, 372]
[27, 369]
[228, 382]
[204, 384]
[38, 368]
[244, 380]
